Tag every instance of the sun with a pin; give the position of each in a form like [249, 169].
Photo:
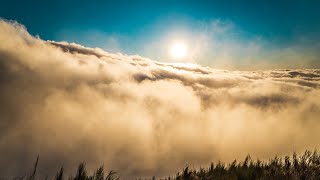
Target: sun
[179, 50]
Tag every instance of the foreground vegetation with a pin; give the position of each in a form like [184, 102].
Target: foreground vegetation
[297, 167]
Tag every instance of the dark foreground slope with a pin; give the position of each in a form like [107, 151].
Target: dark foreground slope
[305, 166]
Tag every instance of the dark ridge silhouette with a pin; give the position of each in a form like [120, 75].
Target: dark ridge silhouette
[297, 167]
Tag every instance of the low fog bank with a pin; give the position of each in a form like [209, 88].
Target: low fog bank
[68, 103]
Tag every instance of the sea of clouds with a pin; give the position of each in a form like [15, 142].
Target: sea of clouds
[68, 103]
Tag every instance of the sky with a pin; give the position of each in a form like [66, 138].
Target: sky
[224, 34]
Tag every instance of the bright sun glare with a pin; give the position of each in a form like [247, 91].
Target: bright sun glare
[179, 50]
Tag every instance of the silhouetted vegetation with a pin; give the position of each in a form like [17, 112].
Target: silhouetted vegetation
[303, 167]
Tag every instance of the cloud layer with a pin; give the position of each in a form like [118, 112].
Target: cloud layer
[70, 103]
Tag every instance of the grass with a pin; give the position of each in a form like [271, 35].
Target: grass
[297, 167]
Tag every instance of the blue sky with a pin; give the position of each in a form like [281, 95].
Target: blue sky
[225, 33]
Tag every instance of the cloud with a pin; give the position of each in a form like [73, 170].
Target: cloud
[69, 103]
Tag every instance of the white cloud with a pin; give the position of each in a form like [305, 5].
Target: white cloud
[69, 103]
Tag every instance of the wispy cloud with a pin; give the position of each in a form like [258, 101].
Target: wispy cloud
[69, 103]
